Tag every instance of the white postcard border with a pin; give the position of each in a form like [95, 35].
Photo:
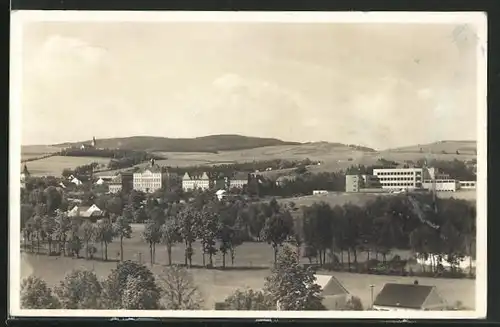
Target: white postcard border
[19, 18]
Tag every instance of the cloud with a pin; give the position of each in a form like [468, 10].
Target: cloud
[62, 58]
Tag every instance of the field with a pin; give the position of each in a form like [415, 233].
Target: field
[55, 165]
[333, 157]
[341, 198]
[252, 262]
[35, 151]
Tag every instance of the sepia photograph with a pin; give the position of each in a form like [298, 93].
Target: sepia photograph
[248, 164]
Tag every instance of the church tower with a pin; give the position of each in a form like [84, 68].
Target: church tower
[25, 171]
[93, 142]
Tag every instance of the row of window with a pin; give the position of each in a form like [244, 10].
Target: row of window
[396, 178]
[397, 173]
[398, 184]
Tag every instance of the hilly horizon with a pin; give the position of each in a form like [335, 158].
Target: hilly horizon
[232, 142]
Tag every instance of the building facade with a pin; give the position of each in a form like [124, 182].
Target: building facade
[148, 180]
[399, 178]
[467, 185]
[353, 183]
[239, 180]
[190, 183]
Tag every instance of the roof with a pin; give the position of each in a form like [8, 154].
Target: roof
[153, 169]
[403, 295]
[330, 285]
[188, 176]
[219, 192]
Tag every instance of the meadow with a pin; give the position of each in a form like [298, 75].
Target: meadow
[56, 164]
[341, 198]
[333, 157]
[250, 268]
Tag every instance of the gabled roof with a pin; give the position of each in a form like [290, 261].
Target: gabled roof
[203, 176]
[153, 169]
[219, 192]
[403, 295]
[330, 285]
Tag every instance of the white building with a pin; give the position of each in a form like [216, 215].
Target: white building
[467, 184]
[116, 185]
[76, 181]
[85, 211]
[441, 185]
[221, 194]
[148, 180]
[190, 183]
[399, 178]
[353, 183]
[239, 180]
[316, 192]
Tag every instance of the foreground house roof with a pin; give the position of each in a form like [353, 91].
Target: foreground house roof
[410, 296]
[330, 286]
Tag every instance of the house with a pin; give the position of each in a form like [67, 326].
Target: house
[92, 144]
[76, 181]
[408, 297]
[221, 194]
[116, 184]
[239, 180]
[148, 179]
[316, 192]
[335, 295]
[190, 183]
[85, 211]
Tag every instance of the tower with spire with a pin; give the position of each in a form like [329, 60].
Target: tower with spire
[93, 142]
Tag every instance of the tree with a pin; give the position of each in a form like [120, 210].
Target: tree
[187, 230]
[62, 227]
[87, 234]
[104, 235]
[207, 229]
[354, 304]
[152, 235]
[48, 229]
[80, 289]
[137, 296]
[122, 229]
[291, 286]
[36, 224]
[170, 236]
[116, 283]
[180, 292]
[249, 300]
[53, 198]
[35, 294]
[277, 229]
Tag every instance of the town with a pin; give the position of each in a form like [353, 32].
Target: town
[225, 210]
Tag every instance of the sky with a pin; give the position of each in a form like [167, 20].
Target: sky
[377, 85]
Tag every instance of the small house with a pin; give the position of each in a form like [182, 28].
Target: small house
[408, 297]
[76, 181]
[335, 295]
[221, 194]
[85, 211]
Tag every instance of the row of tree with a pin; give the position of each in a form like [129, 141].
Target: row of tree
[132, 286]
[437, 229]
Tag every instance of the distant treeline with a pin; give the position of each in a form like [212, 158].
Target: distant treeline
[120, 158]
[39, 158]
[218, 170]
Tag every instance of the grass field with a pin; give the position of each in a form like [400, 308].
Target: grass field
[333, 157]
[252, 260]
[341, 198]
[35, 151]
[55, 165]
